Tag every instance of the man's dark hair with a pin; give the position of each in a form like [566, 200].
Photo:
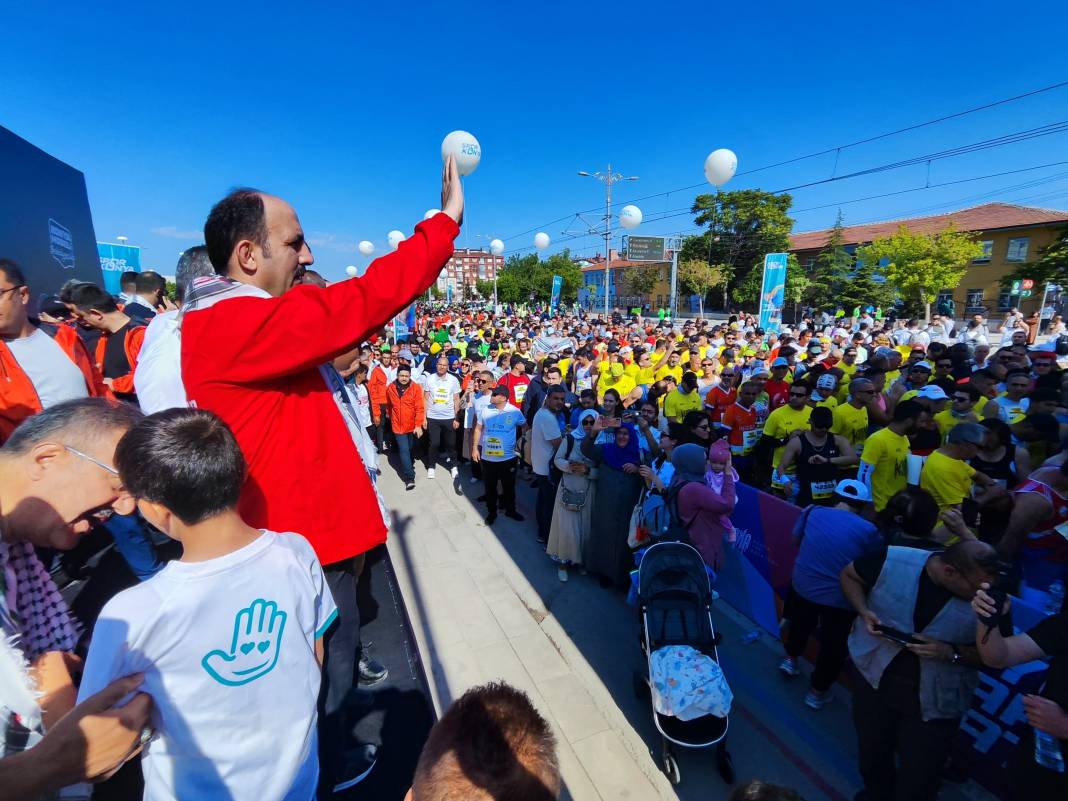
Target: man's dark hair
[90, 297]
[969, 390]
[588, 393]
[362, 368]
[490, 744]
[908, 410]
[12, 272]
[186, 460]
[516, 359]
[149, 281]
[404, 368]
[240, 215]
[78, 423]
[914, 511]
[555, 389]
[68, 288]
[821, 417]
[192, 264]
[128, 280]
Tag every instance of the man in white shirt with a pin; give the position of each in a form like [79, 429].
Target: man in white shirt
[442, 393]
[494, 446]
[158, 375]
[545, 436]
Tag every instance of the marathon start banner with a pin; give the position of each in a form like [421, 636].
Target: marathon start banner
[773, 291]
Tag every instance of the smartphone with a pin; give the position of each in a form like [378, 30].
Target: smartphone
[610, 422]
[899, 637]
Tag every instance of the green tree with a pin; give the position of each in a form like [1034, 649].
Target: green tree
[921, 265]
[1051, 266]
[798, 285]
[484, 288]
[640, 279]
[742, 227]
[524, 276]
[699, 278]
[833, 265]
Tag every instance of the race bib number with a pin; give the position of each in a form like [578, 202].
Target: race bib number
[441, 396]
[520, 392]
[494, 446]
[822, 490]
[749, 440]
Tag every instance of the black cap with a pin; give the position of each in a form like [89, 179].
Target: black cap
[499, 390]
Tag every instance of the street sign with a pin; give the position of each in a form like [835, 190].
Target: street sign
[645, 248]
[1015, 287]
[1027, 283]
[1025, 293]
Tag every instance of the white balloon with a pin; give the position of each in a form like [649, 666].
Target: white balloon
[465, 148]
[496, 247]
[720, 166]
[366, 247]
[630, 216]
[541, 240]
[395, 238]
[351, 271]
[430, 213]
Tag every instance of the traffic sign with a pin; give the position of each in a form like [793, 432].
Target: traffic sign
[1026, 293]
[1027, 283]
[645, 248]
[1016, 287]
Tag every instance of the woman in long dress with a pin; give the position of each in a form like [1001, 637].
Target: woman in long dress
[618, 487]
[571, 526]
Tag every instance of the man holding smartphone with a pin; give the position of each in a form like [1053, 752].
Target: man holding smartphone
[911, 696]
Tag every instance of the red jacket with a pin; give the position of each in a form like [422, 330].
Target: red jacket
[376, 391]
[255, 362]
[18, 396]
[407, 412]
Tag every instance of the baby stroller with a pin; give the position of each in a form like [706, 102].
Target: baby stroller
[675, 603]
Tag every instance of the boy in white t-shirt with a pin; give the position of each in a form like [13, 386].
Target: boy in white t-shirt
[229, 638]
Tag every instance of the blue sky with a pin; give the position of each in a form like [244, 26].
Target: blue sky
[341, 108]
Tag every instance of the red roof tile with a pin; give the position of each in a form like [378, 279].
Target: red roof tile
[988, 217]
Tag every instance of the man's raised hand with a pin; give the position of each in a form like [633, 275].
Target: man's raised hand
[452, 191]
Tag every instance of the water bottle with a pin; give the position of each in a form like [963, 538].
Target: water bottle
[1048, 752]
[1056, 597]
[751, 637]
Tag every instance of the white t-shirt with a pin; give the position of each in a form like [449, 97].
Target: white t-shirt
[227, 647]
[498, 432]
[158, 377]
[361, 402]
[53, 375]
[440, 391]
[546, 427]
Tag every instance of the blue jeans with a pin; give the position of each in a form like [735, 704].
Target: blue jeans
[405, 446]
[134, 543]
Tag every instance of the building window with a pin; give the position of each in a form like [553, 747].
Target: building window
[975, 298]
[1017, 249]
[988, 250]
[1004, 300]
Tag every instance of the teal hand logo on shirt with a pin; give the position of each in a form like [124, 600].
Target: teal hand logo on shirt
[254, 649]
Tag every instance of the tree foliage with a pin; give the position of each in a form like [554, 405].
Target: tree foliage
[523, 276]
[699, 278]
[1051, 266]
[742, 227]
[484, 288]
[919, 266]
[640, 280]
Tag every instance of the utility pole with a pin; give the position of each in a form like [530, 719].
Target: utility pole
[607, 178]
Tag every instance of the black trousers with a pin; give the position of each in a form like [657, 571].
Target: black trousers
[545, 503]
[440, 438]
[340, 659]
[901, 756]
[492, 472]
[834, 624]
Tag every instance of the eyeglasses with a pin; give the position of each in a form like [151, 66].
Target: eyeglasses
[104, 513]
[11, 289]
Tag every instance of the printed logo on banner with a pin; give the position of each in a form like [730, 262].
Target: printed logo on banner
[61, 244]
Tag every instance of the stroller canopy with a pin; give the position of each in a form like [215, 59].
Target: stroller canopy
[673, 570]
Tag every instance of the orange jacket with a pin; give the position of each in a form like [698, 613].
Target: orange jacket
[406, 412]
[376, 391]
[18, 396]
[135, 336]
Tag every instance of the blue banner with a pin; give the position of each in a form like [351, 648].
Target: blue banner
[554, 300]
[116, 260]
[773, 291]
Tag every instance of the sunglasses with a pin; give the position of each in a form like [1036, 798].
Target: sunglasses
[587, 422]
[959, 399]
[798, 394]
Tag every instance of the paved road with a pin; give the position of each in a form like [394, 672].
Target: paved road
[486, 603]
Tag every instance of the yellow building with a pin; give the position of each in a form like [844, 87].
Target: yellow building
[1011, 235]
[619, 294]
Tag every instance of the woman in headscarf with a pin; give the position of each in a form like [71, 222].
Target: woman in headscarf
[704, 510]
[605, 551]
[570, 526]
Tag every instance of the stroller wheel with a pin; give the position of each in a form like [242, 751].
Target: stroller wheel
[640, 685]
[671, 769]
[724, 763]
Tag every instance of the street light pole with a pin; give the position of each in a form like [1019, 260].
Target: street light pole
[608, 178]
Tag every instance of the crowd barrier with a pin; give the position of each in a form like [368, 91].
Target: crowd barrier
[756, 578]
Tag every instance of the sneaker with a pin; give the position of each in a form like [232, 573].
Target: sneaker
[430, 473]
[491, 518]
[409, 485]
[357, 766]
[455, 472]
[788, 667]
[372, 671]
[815, 700]
[541, 540]
[515, 515]
[561, 573]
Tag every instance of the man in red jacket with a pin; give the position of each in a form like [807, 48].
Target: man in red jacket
[253, 342]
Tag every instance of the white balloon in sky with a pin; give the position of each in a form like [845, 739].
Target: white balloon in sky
[465, 148]
[430, 213]
[351, 271]
[630, 216]
[541, 240]
[395, 237]
[366, 247]
[496, 247]
[720, 166]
